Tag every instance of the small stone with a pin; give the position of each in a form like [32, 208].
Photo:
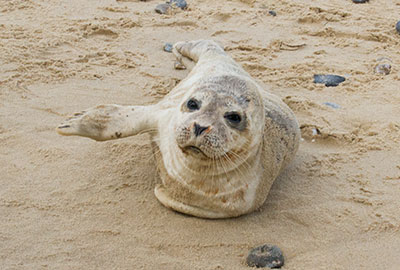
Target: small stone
[398, 27]
[332, 105]
[163, 8]
[178, 65]
[383, 69]
[271, 12]
[329, 80]
[168, 47]
[178, 3]
[265, 256]
[360, 1]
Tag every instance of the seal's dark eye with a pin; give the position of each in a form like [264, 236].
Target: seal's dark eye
[233, 118]
[193, 105]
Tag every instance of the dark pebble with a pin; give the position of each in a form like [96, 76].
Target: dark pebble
[168, 47]
[329, 80]
[383, 69]
[265, 256]
[271, 12]
[360, 1]
[163, 8]
[179, 3]
[332, 105]
[398, 27]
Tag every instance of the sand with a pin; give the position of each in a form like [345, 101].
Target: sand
[73, 203]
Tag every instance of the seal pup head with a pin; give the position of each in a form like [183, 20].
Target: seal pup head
[220, 118]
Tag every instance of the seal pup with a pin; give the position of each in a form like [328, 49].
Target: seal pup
[222, 138]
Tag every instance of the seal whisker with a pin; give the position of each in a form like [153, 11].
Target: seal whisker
[153, 155]
[229, 182]
[239, 171]
[246, 165]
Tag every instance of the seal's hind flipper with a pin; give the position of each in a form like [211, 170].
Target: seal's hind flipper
[182, 61]
[194, 50]
[107, 122]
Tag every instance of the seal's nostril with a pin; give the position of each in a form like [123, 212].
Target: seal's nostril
[198, 129]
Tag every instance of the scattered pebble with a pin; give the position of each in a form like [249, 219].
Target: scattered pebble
[315, 132]
[360, 1]
[168, 47]
[178, 3]
[178, 65]
[163, 8]
[398, 27]
[329, 80]
[332, 105]
[265, 256]
[383, 69]
[271, 12]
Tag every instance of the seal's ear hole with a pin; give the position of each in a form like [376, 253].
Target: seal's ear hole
[193, 104]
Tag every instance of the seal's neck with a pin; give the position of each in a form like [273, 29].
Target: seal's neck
[233, 166]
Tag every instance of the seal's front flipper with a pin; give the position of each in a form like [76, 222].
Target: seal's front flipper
[107, 122]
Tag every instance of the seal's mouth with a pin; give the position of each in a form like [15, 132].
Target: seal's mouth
[193, 149]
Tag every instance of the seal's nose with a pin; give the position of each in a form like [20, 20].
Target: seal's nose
[198, 129]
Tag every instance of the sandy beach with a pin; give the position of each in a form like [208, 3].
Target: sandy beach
[73, 203]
